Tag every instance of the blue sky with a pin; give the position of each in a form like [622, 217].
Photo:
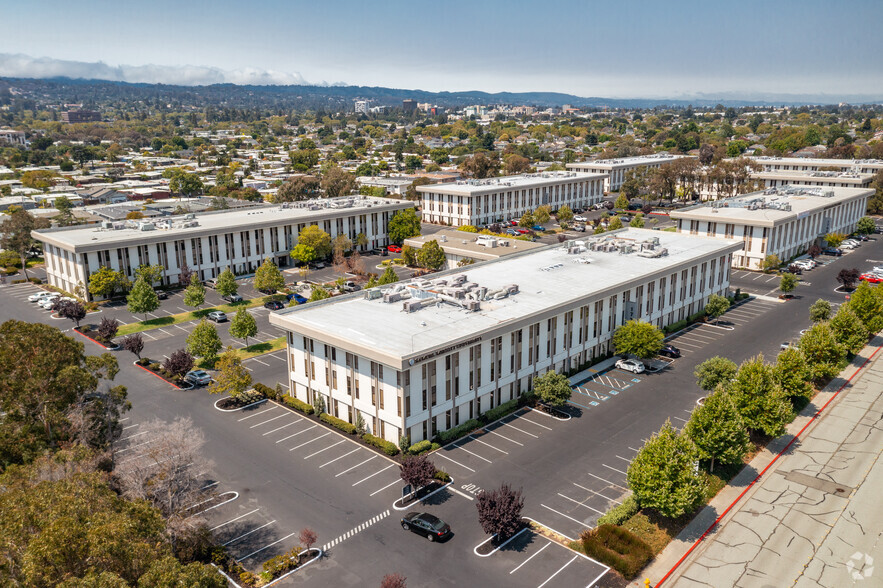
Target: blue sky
[621, 48]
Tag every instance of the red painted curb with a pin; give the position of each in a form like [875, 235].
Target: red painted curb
[775, 459]
[136, 364]
[93, 340]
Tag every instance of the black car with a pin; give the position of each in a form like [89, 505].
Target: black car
[423, 523]
[162, 295]
[670, 351]
[274, 305]
[832, 251]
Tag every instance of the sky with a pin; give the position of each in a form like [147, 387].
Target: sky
[621, 49]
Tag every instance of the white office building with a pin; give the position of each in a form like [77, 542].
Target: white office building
[813, 164]
[481, 202]
[208, 243]
[616, 169]
[783, 221]
[420, 357]
[833, 179]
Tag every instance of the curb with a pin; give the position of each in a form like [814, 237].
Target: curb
[583, 555]
[261, 401]
[501, 546]
[176, 387]
[551, 416]
[285, 575]
[425, 497]
[98, 342]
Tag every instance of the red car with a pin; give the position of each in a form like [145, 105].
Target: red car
[522, 231]
[514, 223]
[394, 249]
[871, 278]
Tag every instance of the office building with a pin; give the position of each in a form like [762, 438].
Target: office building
[80, 116]
[13, 137]
[362, 106]
[616, 169]
[461, 247]
[409, 106]
[832, 179]
[811, 164]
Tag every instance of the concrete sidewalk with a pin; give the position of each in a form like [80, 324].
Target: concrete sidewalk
[814, 518]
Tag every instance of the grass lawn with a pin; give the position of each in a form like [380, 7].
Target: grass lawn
[252, 351]
[184, 317]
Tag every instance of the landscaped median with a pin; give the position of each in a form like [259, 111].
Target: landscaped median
[194, 315]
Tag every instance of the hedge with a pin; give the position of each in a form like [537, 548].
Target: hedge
[501, 411]
[618, 548]
[266, 391]
[338, 423]
[621, 512]
[419, 447]
[298, 405]
[458, 431]
[442, 476]
[382, 444]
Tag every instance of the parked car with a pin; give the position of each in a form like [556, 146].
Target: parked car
[833, 251]
[538, 228]
[48, 301]
[670, 351]
[198, 377]
[859, 237]
[218, 316]
[805, 264]
[513, 222]
[350, 287]
[232, 298]
[522, 231]
[211, 283]
[580, 228]
[785, 346]
[39, 296]
[635, 206]
[511, 231]
[848, 245]
[630, 365]
[297, 298]
[795, 269]
[423, 523]
[162, 295]
[581, 219]
[274, 305]
[871, 278]
[394, 249]
[380, 251]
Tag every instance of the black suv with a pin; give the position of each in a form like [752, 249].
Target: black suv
[274, 305]
[423, 523]
[670, 351]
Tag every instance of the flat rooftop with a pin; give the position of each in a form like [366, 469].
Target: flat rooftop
[474, 244]
[546, 278]
[181, 227]
[771, 206]
[817, 161]
[472, 187]
[625, 161]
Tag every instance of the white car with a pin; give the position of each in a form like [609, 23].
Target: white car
[39, 296]
[848, 245]
[805, 264]
[581, 219]
[48, 301]
[630, 365]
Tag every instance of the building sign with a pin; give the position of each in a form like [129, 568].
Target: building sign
[460, 345]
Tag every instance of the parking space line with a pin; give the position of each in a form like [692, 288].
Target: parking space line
[249, 533]
[440, 454]
[471, 453]
[566, 516]
[488, 444]
[296, 434]
[598, 493]
[234, 520]
[135, 435]
[504, 437]
[521, 418]
[558, 572]
[531, 557]
[522, 430]
[266, 546]
[321, 450]
[281, 416]
[257, 413]
[134, 446]
[385, 487]
[341, 457]
[679, 342]
[579, 503]
[282, 427]
[633, 449]
[614, 469]
[372, 475]
[310, 441]
[130, 426]
[354, 467]
[260, 362]
[678, 418]
[624, 459]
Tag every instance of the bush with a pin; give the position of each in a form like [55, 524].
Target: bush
[617, 548]
[387, 447]
[247, 579]
[338, 423]
[442, 476]
[265, 391]
[458, 431]
[419, 447]
[154, 367]
[35, 280]
[298, 404]
[502, 410]
[143, 361]
[468, 228]
[674, 327]
[621, 512]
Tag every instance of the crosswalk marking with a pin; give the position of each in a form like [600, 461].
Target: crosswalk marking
[354, 531]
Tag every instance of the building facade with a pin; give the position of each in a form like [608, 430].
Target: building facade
[80, 116]
[211, 242]
[423, 356]
[783, 221]
[481, 202]
[616, 169]
[812, 164]
[13, 137]
[463, 248]
[833, 179]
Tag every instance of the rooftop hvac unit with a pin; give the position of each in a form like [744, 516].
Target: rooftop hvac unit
[373, 294]
[473, 305]
[146, 227]
[106, 224]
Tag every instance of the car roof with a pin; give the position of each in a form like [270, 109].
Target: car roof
[429, 518]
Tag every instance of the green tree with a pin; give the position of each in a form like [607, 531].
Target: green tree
[527, 220]
[614, 224]
[319, 293]
[194, 294]
[232, 378]
[637, 221]
[552, 388]
[835, 239]
[336, 182]
[849, 330]
[788, 282]
[541, 215]
[662, 474]
[389, 277]
[185, 183]
[151, 273]
[303, 254]
[716, 306]
[621, 202]
[64, 207]
[226, 283]
[403, 225]
[820, 310]
[204, 341]
[865, 225]
[361, 240]
[791, 374]
[714, 371]
[771, 262]
[243, 325]
[409, 256]
[431, 256]
[296, 189]
[761, 403]
[824, 355]
[565, 214]
[867, 303]
[268, 278]
[319, 240]
[169, 572]
[142, 299]
[718, 430]
[105, 282]
[638, 338]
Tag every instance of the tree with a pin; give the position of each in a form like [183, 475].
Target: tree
[106, 282]
[552, 388]
[71, 309]
[637, 221]
[403, 225]
[204, 342]
[389, 277]
[186, 184]
[541, 215]
[303, 254]
[771, 262]
[393, 581]
[820, 310]
[142, 298]
[621, 202]
[307, 538]
[409, 256]
[712, 372]
[480, 166]
[638, 338]
[319, 240]
[336, 182]
[716, 306]
[848, 277]
[499, 511]
[814, 251]
[849, 330]
[835, 239]
[662, 474]
[186, 275]
[16, 234]
[527, 220]
[179, 363]
[791, 374]
[717, 430]
[614, 224]
[194, 294]
[515, 164]
[107, 329]
[65, 215]
[759, 400]
[411, 193]
[243, 325]
[134, 344]
[867, 303]
[565, 214]
[340, 245]
[417, 471]
[268, 278]
[226, 283]
[788, 282]
[431, 256]
[296, 189]
[150, 273]
[865, 225]
[361, 240]
[319, 293]
[233, 378]
[824, 354]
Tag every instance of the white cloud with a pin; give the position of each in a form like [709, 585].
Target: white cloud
[25, 66]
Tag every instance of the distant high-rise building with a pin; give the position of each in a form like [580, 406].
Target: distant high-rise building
[362, 106]
[409, 106]
[80, 116]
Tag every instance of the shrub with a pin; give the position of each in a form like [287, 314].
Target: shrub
[143, 361]
[298, 405]
[266, 391]
[620, 513]
[247, 579]
[442, 476]
[387, 447]
[468, 228]
[674, 327]
[338, 423]
[420, 447]
[501, 411]
[35, 280]
[458, 431]
[154, 367]
[617, 548]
